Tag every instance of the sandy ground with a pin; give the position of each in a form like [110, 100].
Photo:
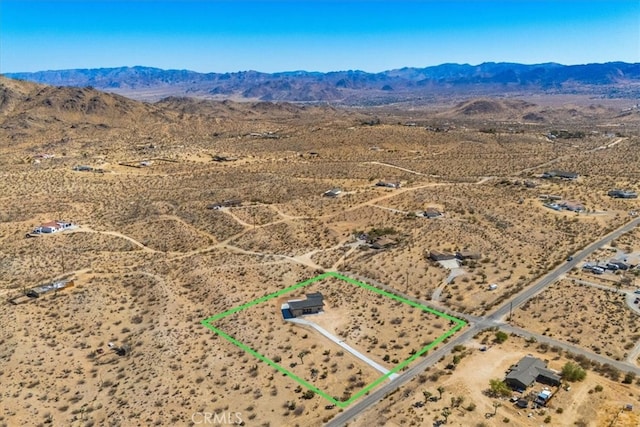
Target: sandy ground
[151, 261]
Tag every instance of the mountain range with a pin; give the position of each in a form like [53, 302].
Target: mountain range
[611, 80]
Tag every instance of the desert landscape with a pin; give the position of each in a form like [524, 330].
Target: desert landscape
[186, 208]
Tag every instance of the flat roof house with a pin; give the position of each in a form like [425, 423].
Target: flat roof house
[52, 227]
[623, 194]
[440, 256]
[560, 174]
[311, 305]
[467, 254]
[529, 370]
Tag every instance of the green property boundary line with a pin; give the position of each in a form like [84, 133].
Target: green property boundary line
[459, 324]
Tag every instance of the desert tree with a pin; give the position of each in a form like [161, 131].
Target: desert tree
[301, 355]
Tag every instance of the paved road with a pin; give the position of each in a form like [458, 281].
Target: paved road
[620, 365]
[495, 319]
[564, 268]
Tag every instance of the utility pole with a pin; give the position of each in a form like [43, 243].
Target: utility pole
[406, 289]
[510, 310]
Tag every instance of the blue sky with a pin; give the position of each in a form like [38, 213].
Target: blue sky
[330, 35]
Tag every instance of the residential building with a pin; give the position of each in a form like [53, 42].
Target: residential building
[431, 213]
[440, 256]
[313, 304]
[529, 370]
[52, 227]
[388, 184]
[560, 174]
[623, 194]
[334, 192]
[467, 254]
[572, 206]
[383, 242]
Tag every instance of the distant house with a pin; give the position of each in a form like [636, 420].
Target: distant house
[623, 194]
[43, 289]
[52, 227]
[225, 204]
[311, 305]
[334, 192]
[431, 213]
[467, 254]
[383, 242]
[572, 206]
[560, 174]
[529, 370]
[440, 256]
[549, 197]
[388, 184]
[218, 158]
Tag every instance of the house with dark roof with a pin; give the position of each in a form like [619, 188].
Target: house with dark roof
[440, 256]
[388, 184]
[334, 192]
[529, 370]
[623, 194]
[468, 254]
[560, 174]
[431, 213]
[313, 304]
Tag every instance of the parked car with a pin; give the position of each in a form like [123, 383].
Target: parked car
[597, 270]
[621, 265]
[611, 266]
[637, 291]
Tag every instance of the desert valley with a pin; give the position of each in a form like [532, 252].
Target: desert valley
[434, 245]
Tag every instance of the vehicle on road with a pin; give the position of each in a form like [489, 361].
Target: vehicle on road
[570, 258]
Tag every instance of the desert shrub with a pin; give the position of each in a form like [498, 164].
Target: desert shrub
[501, 337]
[572, 372]
[497, 387]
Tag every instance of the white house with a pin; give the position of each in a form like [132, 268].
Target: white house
[52, 227]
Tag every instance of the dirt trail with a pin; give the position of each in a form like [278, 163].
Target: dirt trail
[84, 229]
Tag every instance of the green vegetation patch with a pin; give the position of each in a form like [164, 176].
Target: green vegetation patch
[457, 325]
